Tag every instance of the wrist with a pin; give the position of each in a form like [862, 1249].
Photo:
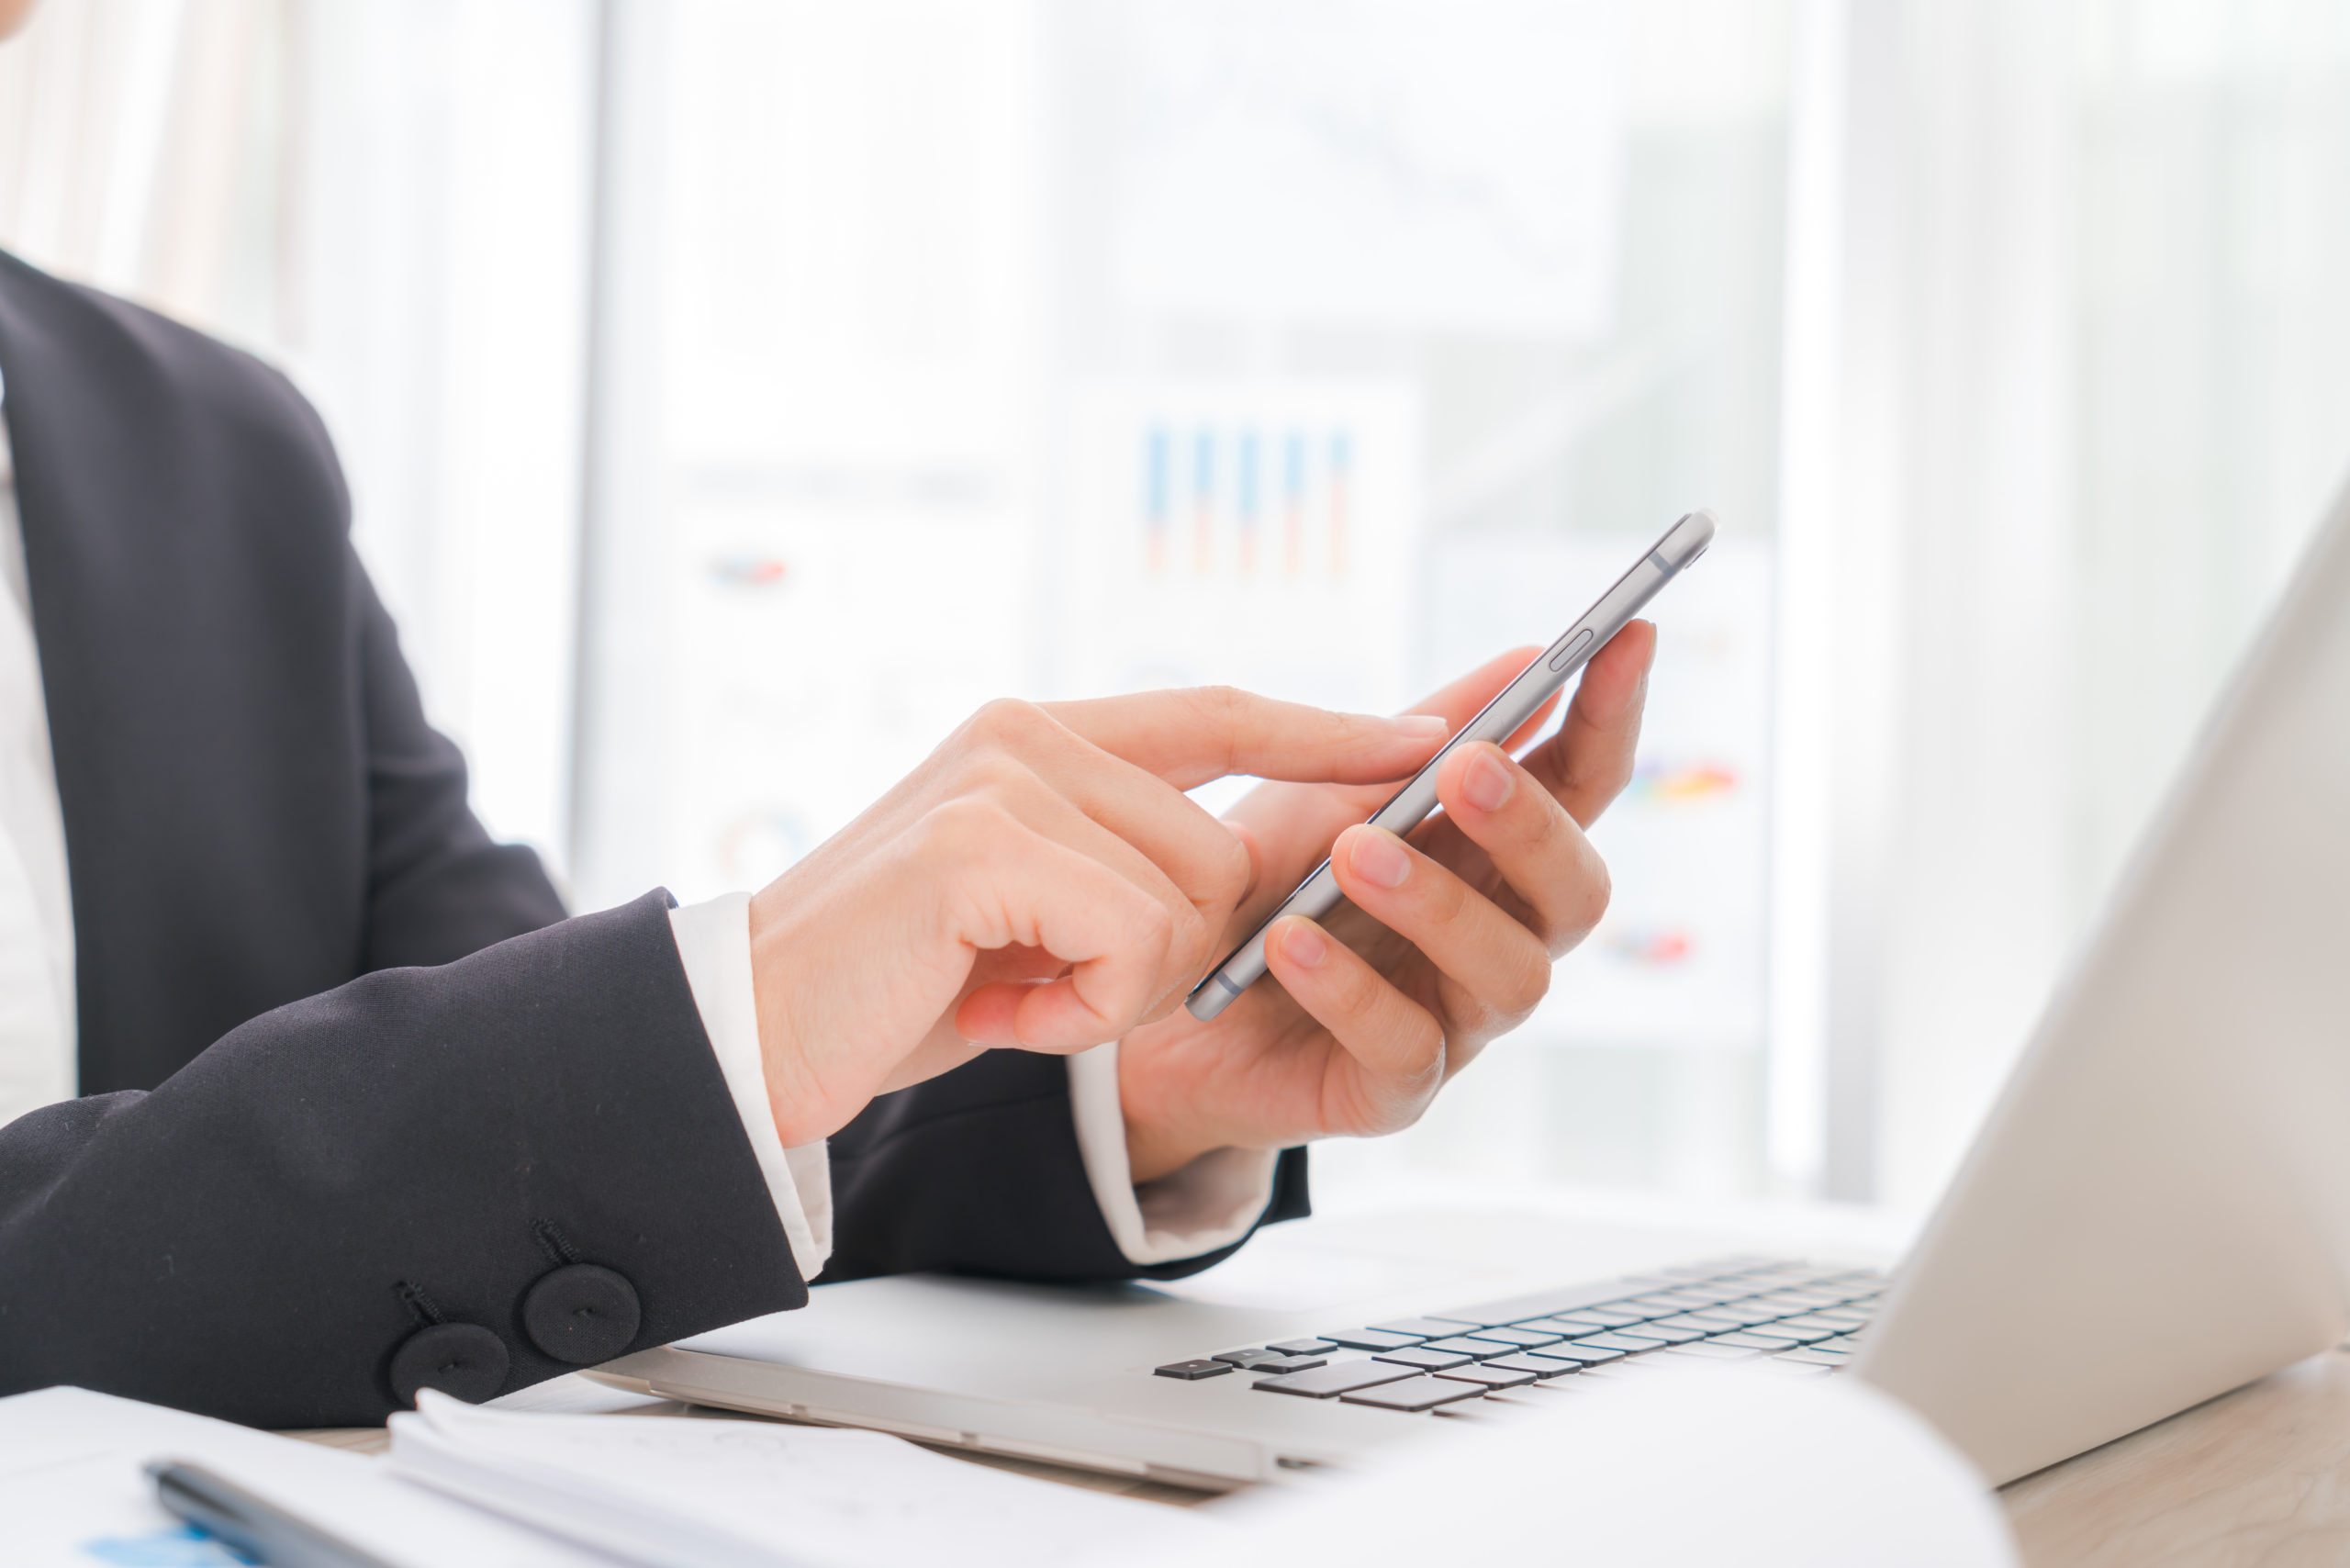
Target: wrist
[795, 1100]
[1160, 1138]
[1155, 1149]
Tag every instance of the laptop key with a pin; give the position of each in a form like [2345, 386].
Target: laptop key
[1808, 1321]
[1291, 1364]
[1425, 1358]
[1303, 1347]
[1418, 1394]
[1582, 1355]
[1488, 1376]
[1741, 1312]
[1539, 1366]
[1338, 1377]
[1191, 1371]
[1245, 1359]
[1712, 1350]
[1522, 1337]
[1371, 1339]
[1623, 1344]
[1743, 1341]
[1550, 1304]
[1787, 1330]
[1603, 1316]
[1705, 1297]
[1424, 1327]
[1663, 1335]
[1465, 1346]
[1802, 1301]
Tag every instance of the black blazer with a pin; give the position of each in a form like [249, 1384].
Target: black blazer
[364, 1112]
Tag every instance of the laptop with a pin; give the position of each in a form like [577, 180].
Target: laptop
[2156, 1211]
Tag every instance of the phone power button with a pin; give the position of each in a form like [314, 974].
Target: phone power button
[1574, 650]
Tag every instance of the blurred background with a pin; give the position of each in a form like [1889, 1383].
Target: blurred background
[735, 393]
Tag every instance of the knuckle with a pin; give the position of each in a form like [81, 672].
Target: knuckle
[1355, 984]
[1189, 951]
[1227, 709]
[969, 826]
[996, 774]
[1546, 825]
[1007, 720]
[1403, 1108]
[1154, 923]
[1222, 701]
[1448, 899]
[1405, 1114]
[1220, 710]
[1227, 872]
[1525, 991]
[1592, 889]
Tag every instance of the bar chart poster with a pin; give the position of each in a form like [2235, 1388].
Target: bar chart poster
[1262, 535]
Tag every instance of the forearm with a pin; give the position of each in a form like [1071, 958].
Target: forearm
[256, 1237]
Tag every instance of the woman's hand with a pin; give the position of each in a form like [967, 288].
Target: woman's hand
[1447, 939]
[1041, 880]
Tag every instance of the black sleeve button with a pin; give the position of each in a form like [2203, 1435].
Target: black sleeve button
[463, 1360]
[581, 1314]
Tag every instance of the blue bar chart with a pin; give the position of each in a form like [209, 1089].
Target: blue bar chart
[1261, 534]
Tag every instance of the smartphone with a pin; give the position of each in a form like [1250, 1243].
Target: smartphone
[1550, 669]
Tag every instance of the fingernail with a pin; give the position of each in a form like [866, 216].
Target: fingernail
[1379, 859]
[1305, 946]
[1422, 727]
[1486, 782]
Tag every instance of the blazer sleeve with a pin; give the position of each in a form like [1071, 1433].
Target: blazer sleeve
[977, 1172]
[480, 1175]
[437, 887]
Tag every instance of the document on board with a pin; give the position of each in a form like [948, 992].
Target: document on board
[74, 1492]
[667, 1489]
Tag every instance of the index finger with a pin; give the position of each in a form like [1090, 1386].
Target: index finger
[1191, 736]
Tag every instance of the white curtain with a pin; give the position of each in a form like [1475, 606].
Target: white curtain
[2072, 383]
[389, 200]
[138, 150]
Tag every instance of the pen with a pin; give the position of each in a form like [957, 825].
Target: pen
[262, 1531]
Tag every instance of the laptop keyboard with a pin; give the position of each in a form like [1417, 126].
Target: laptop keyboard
[1795, 1316]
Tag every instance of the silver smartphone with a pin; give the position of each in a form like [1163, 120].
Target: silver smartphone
[1318, 894]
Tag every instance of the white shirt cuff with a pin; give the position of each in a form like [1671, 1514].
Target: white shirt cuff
[715, 945]
[1210, 1203]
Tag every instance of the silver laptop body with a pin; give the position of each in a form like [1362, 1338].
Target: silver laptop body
[2157, 1210]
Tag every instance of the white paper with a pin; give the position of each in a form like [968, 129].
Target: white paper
[74, 1492]
[687, 1491]
[1717, 1466]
